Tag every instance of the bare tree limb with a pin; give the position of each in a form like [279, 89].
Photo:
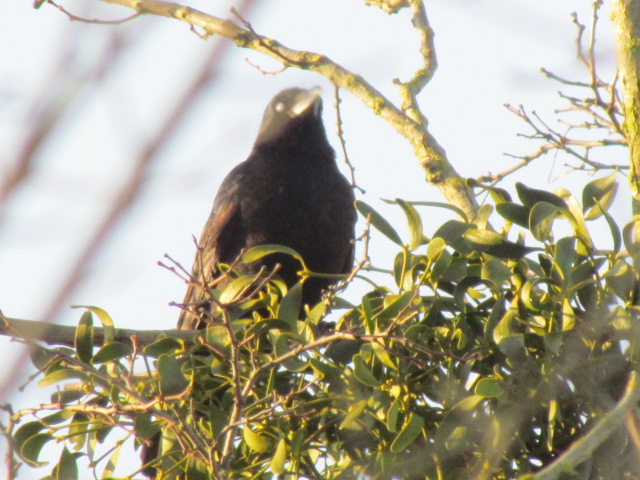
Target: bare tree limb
[431, 156]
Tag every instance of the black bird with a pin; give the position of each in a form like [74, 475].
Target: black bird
[288, 192]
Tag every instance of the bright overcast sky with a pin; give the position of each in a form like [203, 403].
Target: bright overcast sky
[489, 53]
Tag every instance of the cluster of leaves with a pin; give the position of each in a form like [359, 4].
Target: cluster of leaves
[487, 359]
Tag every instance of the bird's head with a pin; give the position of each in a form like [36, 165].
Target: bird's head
[290, 111]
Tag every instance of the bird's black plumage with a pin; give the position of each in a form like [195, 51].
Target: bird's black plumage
[288, 192]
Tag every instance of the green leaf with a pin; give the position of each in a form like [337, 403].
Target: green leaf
[452, 231]
[496, 272]
[289, 308]
[162, 345]
[489, 387]
[355, 410]
[415, 224]
[362, 372]
[621, 279]
[508, 325]
[397, 304]
[435, 248]
[392, 415]
[66, 469]
[483, 238]
[481, 220]
[631, 236]
[25, 432]
[112, 463]
[57, 418]
[279, 458]
[410, 431]
[31, 448]
[458, 211]
[144, 427]
[58, 376]
[383, 355]
[172, 381]
[237, 286]
[283, 347]
[514, 213]
[256, 253]
[600, 194]
[541, 220]
[105, 319]
[112, 351]
[83, 340]
[379, 222]
[255, 441]
[566, 256]
[531, 196]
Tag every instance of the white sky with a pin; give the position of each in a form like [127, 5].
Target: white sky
[489, 53]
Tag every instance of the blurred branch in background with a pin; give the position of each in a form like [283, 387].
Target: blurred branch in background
[65, 85]
[133, 181]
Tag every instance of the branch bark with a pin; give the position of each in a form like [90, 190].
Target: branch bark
[64, 335]
[626, 21]
[431, 156]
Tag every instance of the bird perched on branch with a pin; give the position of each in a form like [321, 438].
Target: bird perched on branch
[288, 192]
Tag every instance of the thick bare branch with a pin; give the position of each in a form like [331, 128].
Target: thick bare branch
[430, 154]
[626, 20]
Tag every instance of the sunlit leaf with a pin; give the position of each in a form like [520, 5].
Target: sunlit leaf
[409, 432]
[379, 222]
[84, 337]
[489, 387]
[112, 351]
[415, 224]
[355, 410]
[172, 381]
[260, 251]
[600, 194]
[279, 458]
[105, 319]
[530, 196]
[362, 372]
[255, 441]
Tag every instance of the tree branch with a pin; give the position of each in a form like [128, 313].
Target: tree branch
[582, 449]
[65, 335]
[430, 154]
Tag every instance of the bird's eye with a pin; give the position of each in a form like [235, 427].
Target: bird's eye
[280, 107]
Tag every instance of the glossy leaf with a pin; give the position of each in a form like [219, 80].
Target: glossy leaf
[409, 432]
[531, 196]
[415, 224]
[518, 214]
[379, 222]
[172, 381]
[541, 220]
[350, 420]
[255, 441]
[105, 319]
[162, 345]
[489, 387]
[289, 308]
[362, 372]
[260, 251]
[83, 341]
[112, 351]
[600, 194]
[279, 458]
